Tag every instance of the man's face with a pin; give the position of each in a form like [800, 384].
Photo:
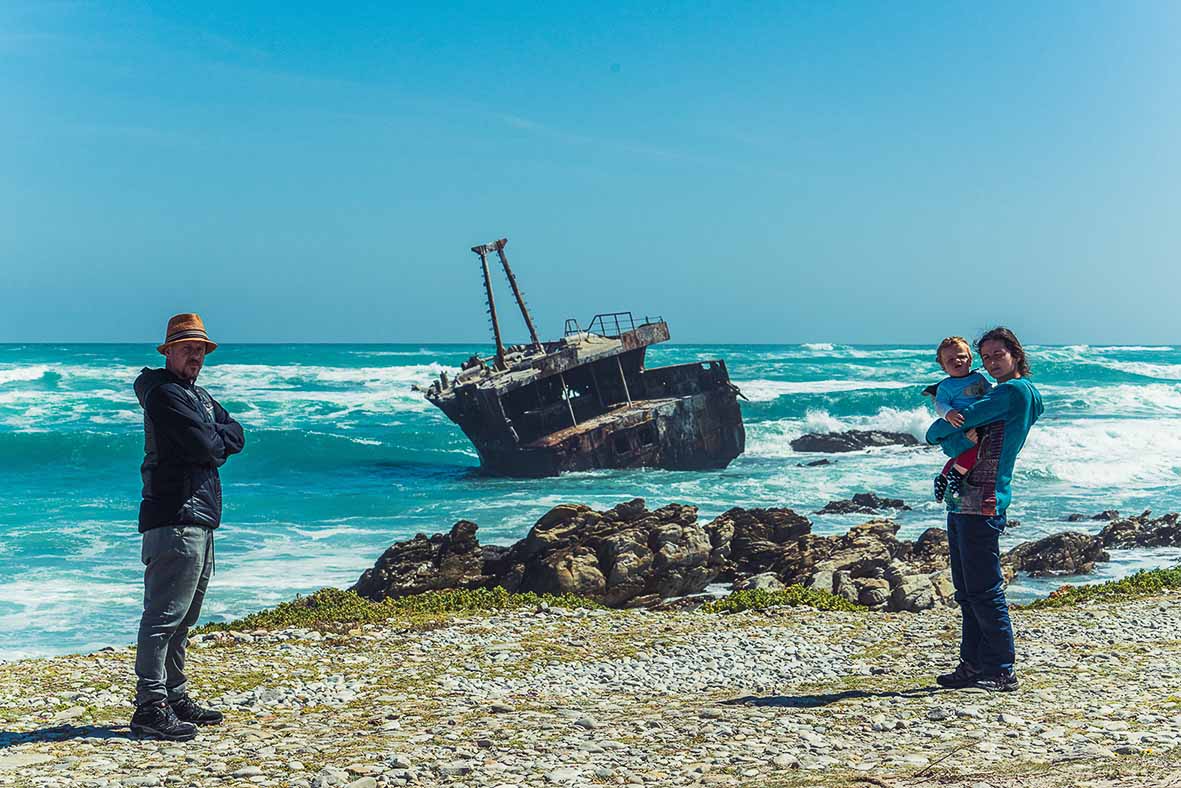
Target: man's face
[185, 359]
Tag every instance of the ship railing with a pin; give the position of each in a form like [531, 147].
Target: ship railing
[610, 324]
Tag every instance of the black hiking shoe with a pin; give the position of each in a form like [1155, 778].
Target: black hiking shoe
[158, 721]
[188, 711]
[1005, 681]
[940, 487]
[964, 675]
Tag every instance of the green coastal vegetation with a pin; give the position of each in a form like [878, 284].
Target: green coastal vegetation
[792, 596]
[1142, 583]
[333, 607]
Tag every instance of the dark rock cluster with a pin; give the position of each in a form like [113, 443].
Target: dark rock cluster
[864, 503]
[630, 556]
[852, 440]
[1074, 553]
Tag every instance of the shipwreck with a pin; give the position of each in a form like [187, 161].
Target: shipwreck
[586, 400]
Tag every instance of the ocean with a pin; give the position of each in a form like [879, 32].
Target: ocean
[344, 457]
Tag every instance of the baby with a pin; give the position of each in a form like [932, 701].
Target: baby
[962, 388]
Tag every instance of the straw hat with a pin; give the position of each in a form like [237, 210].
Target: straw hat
[186, 327]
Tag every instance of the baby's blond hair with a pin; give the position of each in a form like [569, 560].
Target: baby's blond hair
[951, 342]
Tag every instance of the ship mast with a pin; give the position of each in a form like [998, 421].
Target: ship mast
[512, 280]
[482, 251]
[498, 247]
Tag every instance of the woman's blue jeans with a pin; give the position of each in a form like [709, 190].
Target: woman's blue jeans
[986, 641]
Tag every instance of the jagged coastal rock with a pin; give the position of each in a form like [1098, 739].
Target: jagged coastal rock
[864, 503]
[629, 556]
[1074, 553]
[1142, 531]
[852, 440]
[1066, 553]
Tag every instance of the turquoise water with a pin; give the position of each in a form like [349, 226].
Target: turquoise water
[343, 458]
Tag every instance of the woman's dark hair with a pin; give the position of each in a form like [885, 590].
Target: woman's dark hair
[1011, 343]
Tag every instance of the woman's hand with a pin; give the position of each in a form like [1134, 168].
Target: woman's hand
[972, 435]
[955, 418]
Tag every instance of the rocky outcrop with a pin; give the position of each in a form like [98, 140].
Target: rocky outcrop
[1104, 516]
[1071, 552]
[629, 556]
[625, 556]
[864, 503]
[1142, 531]
[852, 440]
[1067, 553]
[748, 542]
[454, 560]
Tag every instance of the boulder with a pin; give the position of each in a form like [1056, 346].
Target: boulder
[1122, 534]
[851, 440]
[454, 560]
[748, 542]
[767, 581]
[863, 503]
[629, 556]
[1066, 553]
[616, 557]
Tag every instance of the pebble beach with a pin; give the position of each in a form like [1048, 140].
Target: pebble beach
[548, 696]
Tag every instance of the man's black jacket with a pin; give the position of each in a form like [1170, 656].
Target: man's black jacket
[187, 437]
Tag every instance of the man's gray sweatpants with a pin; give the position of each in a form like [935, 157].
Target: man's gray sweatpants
[179, 562]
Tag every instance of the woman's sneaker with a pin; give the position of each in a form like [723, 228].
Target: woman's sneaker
[188, 711]
[159, 721]
[964, 675]
[1005, 681]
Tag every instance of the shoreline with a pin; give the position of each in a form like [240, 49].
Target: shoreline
[552, 696]
[1125, 560]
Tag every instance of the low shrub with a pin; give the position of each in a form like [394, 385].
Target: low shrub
[330, 606]
[1143, 583]
[792, 596]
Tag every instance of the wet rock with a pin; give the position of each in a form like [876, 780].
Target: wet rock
[851, 440]
[863, 503]
[1067, 553]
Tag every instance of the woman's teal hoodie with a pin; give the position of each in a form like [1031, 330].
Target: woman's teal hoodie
[1002, 419]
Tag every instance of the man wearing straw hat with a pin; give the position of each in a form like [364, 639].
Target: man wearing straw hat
[187, 437]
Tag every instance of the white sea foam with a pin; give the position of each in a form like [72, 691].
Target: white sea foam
[1099, 453]
[1159, 371]
[773, 439]
[420, 352]
[818, 346]
[276, 395]
[1133, 349]
[1122, 400]
[766, 390]
[17, 373]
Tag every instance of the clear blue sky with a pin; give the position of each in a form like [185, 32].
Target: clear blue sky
[755, 172]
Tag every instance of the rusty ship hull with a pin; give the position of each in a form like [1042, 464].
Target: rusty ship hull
[587, 401]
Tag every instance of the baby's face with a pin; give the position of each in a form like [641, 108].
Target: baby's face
[956, 361]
